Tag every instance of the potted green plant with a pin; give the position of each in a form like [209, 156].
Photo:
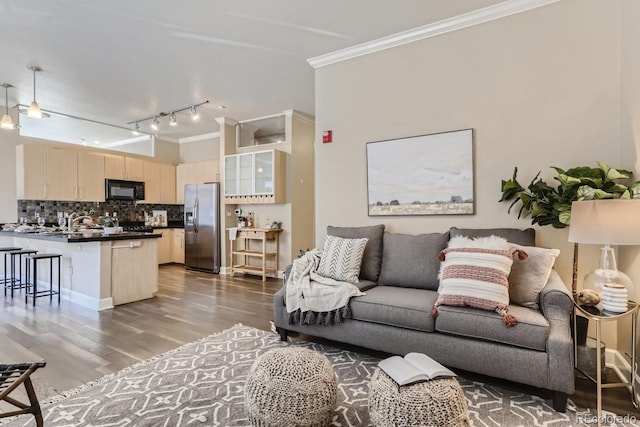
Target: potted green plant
[548, 205]
[551, 205]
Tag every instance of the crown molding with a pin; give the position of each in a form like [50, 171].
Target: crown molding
[226, 121]
[480, 16]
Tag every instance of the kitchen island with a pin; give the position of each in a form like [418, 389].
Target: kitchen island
[98, 270]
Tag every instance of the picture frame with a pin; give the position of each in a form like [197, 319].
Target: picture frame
[421, 175]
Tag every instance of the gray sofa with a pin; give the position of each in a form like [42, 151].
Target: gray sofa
[399, 277]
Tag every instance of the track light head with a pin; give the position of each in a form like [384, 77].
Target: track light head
[194, 113]
[172, 120]
[155, 123]
[136, 129]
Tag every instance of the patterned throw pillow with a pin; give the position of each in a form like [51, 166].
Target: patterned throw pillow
[341, 258]
[475, 272]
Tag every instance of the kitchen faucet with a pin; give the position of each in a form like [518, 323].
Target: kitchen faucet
[73, 218]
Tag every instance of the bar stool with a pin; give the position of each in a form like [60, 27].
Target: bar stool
[6, 277]
[19, 283]
[36, 293]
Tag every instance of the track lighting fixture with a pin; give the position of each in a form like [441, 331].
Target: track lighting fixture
[34, 109]
[136, 129]
[194, 113]
[173, 119]
[6, 122]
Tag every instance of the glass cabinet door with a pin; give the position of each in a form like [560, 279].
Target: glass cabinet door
[263, 172]
[245, 174]
[230, 175]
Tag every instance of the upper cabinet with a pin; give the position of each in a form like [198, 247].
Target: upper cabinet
[91, 176]
[160, 182]
[58, 174]
[121, 167]
[258, 177]
[195, 173]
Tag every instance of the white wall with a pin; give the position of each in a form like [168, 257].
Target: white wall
[540, 89]
[198, 151]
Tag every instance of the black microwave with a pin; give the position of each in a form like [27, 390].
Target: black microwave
[116, 189]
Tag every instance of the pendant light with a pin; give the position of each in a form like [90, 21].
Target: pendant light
[34, 109]
[6, 122]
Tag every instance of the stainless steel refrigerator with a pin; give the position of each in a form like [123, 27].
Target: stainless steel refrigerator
[202, 232]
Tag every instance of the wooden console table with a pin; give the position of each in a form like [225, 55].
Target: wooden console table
[269, 258]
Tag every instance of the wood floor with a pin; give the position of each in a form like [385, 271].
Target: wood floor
[81, 345]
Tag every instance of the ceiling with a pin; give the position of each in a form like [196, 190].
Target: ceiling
[117, 61]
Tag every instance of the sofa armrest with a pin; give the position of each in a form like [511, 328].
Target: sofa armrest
[555, 299]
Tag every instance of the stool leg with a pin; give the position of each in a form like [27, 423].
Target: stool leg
[13, 273]
[50, 280]
[5, 274]
[35, 281]
[58, 280]
[26, 290]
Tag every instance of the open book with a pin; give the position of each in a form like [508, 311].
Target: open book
[413, 367]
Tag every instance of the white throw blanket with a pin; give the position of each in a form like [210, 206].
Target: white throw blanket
[308, 291]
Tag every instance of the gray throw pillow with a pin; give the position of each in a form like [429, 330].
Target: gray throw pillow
[526, 237]
[372, 258]
[411, 261]
[529, 276]
[341, 258]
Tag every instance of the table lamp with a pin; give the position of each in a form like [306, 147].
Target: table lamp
[607, 222]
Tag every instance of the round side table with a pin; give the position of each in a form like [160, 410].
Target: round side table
[600, 316]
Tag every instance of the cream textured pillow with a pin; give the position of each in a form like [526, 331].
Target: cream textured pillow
[341, 258]
[527, 278]
[474, 273]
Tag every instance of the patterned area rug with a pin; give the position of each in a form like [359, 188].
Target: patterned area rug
[202, 384]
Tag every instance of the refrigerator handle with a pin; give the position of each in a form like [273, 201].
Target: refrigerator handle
[196, 220]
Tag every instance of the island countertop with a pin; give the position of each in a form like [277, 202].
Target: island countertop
[79, 237]
[98, 270]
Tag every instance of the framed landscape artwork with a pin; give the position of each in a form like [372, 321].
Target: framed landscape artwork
[421, 175]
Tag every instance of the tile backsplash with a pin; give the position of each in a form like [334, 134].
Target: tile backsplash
[127, 211]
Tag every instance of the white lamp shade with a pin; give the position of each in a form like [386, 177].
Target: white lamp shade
[605, 221]
[6, 122]
[34, 111]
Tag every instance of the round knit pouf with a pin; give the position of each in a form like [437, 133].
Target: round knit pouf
[438, 402]
[290, 386]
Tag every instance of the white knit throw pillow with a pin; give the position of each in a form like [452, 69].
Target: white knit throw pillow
[341, 258]
[475, 272]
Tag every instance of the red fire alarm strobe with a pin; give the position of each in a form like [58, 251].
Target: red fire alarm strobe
[326, 136]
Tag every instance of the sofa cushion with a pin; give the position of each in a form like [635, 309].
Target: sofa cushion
[401, 307]
[526, 237]
[531, 331]
[411, 261]
[475, 274]
[528, 277]
[341, 258]
[372, 257]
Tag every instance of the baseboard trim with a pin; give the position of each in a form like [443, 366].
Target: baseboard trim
[87, 301]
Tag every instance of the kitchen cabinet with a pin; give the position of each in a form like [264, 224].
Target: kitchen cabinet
[195, 173]
[91, 176]
[62, 174]
[58, 174]
[31, 172]
[121, 167]
[177, 246]
[133, 275]
[167, 183]
[255, 178]
[164, 245]
[160, 182]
